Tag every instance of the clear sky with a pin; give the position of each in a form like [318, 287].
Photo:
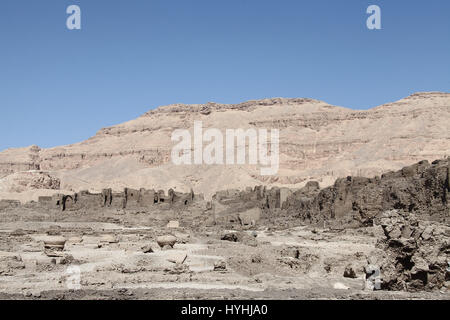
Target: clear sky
[59, 86]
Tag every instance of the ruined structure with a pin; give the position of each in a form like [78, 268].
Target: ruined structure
[416, 252]
[128, 199]
[422, 189]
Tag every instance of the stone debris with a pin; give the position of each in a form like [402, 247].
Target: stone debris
[10, 263]
[292, 252]
[220, 266]
[231, 236]
[173, 224]
[177, 257]
[54, 245]
[167, 240]
[147, 249]
[177, 269]
[242, 237]
[349, 272]
[416, 252]
[284, 247]
[256, 258]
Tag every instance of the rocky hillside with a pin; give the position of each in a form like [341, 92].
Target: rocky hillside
[318, 141]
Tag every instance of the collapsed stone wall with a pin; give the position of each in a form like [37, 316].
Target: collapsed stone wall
[416, 253]
[128, 199]
[422, 188]
[246, 207]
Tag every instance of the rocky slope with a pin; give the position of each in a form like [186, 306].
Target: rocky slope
[318, 141]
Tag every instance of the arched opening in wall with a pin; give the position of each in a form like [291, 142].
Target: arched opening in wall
[186, 202]
[68, 203]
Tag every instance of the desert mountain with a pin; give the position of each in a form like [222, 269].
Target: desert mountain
[318, 141]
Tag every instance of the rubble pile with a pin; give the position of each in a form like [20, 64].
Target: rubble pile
[417, 252]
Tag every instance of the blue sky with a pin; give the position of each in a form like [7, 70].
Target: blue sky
[59, 86]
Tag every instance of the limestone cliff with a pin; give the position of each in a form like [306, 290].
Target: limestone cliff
[318, 141]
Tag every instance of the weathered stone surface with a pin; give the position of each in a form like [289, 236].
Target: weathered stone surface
[147, 249]
[177, 257]
[173, 225]
[349, 272]
[54, 243]
[10, 263]
[419, 261]
[167, 240]
[231, 236]
[421, 189]
[220, 266]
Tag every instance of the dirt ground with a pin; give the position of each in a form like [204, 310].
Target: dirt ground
[111, 258]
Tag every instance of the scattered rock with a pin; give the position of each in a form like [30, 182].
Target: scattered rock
[256, 258]
[349, 272]
[416, 252]
[53, 246]
[54, 231]
[66, 259]
[147, 249]
[220, 266]
[292, 252]
[54, 243]
[127, 268]
[10, 263]
[231, 236]
[173, 224]
[167, 240]
[177, 258]
[177, 269]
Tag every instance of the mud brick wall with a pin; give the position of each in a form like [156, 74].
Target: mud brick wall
[128, 199]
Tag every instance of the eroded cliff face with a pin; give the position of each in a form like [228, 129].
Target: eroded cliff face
[317, 142]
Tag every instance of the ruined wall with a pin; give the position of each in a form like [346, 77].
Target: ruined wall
[128, 199]
[245, 207]
[7, 204]
[422, 188]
